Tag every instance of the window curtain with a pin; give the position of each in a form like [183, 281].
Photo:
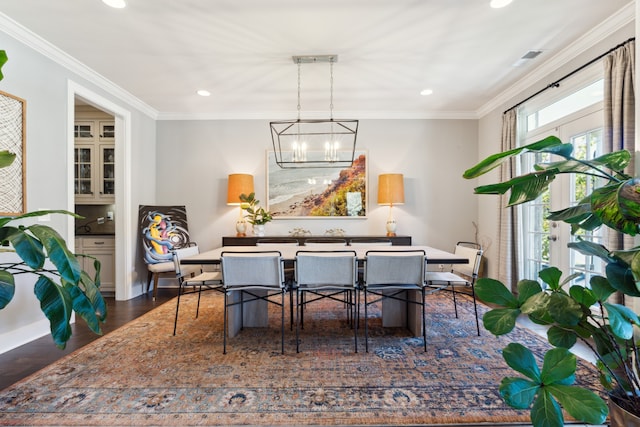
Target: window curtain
[508, 270]
[619, 120]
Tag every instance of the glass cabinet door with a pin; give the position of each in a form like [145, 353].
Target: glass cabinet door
[83, 131]
[82, 170]
[108, 170]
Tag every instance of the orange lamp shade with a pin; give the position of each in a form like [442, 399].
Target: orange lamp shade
[391, 189]
[239, 183]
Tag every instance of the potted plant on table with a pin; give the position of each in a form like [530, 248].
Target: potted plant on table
[578, 313]
[256, 215]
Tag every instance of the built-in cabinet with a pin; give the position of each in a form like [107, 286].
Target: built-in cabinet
[103, 248]
[94, 162]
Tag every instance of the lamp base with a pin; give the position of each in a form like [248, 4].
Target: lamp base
[241, 234]
[391, 234]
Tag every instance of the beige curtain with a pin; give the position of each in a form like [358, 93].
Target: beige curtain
[619, 116]
[619, 122]
[507, 217]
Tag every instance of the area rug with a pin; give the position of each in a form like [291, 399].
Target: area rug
[141, 374]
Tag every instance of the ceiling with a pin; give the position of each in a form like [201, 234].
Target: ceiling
[163, 51]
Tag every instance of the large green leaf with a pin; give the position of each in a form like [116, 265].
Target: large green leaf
[497, 159]
[622, 278]
[523, 188]
[561, 337]
[34, 214]
[6, 157]
[92, 292]
[494, 292]
[632, 258]
[629, 200]
[621, 319]
[558, 366]
[7, 288]
[56, 304]
[572, 215]
[583, 296]
[500, 321]
[600, 288]
[518, 392]
[586, 247]
[59, 254]
[551, 276]
[83, 307]
[564, 309]
[605, 204]
[527, 289]
[521, 359]
[546, 411]
[582, 404]
[28, 248]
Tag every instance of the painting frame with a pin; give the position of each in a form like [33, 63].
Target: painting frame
[13, 183]
[318, 193]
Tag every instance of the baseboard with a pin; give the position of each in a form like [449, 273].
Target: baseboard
[16, 338]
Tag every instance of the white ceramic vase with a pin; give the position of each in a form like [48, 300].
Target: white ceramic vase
[258, 230]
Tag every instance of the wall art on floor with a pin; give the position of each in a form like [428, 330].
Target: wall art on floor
[13, 200]
[317, 192]
[163, 228]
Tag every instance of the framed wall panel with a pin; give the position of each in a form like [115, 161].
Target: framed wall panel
[13, 199]
[317, 192]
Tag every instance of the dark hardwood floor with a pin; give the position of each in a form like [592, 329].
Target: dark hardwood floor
[31, 357]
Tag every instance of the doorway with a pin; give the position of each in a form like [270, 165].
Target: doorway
[122, 258]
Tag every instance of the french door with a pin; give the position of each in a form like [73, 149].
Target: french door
[545, 242]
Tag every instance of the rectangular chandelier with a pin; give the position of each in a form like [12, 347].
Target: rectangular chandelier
[314, 143]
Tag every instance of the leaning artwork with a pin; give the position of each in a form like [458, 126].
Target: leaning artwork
[317, 192]
[163, 228]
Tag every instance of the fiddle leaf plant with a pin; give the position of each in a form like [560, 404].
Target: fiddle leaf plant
[256, 214]
[572, 313]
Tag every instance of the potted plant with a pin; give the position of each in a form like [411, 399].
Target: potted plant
[256, 215]
[61, 289]
[578, 313]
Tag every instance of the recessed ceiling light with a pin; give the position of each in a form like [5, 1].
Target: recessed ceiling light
[118, 4]
[426, 92]
[203, 92]
[497, 4]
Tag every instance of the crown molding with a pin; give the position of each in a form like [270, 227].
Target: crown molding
[292, 115]
[40, 45]
[624, 16]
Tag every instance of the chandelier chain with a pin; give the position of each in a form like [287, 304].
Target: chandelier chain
[331, 84]
[299, 66]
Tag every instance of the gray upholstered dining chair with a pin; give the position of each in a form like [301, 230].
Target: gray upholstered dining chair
[461, 275]
[326, 275]
[256, 274]
[194, 276]
[391, 274]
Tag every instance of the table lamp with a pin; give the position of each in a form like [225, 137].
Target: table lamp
[391, 192]
[239, 183]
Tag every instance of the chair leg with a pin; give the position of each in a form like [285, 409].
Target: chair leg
[155, 285]
[424, 321]
[356, 303]
[175, 322]
[297, 320]
[453, 291]
[224, 333]
[475, 307]
[149, 277]
[366, 321]
[282, 322]
[198, 305]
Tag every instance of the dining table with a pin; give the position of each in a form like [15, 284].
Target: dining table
[394, 313]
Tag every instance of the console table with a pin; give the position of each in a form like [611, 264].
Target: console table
[251, 240]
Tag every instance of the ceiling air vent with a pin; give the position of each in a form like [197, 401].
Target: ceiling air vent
[527, 57]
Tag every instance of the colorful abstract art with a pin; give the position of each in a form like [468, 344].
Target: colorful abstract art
[163, 229]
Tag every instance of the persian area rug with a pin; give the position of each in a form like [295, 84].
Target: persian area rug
[141, 374]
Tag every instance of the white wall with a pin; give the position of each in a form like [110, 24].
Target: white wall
[43, 83]
[489, 133]
[194, 159]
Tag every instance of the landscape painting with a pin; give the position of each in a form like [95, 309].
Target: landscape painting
[317, 192]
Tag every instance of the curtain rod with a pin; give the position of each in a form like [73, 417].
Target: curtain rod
[557, 82]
